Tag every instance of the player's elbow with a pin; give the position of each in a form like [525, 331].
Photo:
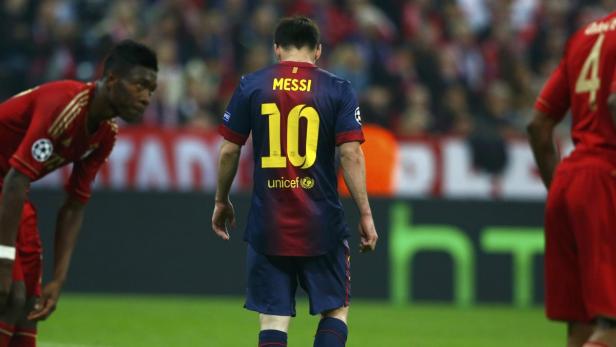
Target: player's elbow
[351, 156]
[532, 126]
[351, 153]
[72, 203]
[540, 124]
[230, 149]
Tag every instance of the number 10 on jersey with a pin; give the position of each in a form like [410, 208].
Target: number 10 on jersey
[275, 159]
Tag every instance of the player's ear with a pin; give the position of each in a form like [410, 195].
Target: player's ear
[278, 52]
[110, 79]
[317, 53]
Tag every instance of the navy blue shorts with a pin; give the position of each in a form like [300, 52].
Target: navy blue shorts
[272, 281]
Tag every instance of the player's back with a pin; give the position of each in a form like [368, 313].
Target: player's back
[298, 113]
[590, 66]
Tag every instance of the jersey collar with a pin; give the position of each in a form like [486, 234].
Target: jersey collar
[296, 63]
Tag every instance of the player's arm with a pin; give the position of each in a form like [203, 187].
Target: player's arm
[550, 108]
[349, 137]
[224, 214]
[68, 225]
[540, 134]
[14, 191]
[354, 171]
[235, 130]
[69, 222]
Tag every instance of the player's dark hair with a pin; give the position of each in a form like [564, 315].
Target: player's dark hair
[128, 54]
[298, 31]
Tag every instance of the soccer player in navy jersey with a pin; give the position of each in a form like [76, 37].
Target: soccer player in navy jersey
[297, 114]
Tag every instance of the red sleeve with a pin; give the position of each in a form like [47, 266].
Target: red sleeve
[37, 145]
[350, 136]
[232, 136]
[554, 99]
[84, 171]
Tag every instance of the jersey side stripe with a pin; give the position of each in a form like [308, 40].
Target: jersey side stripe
[67, 109]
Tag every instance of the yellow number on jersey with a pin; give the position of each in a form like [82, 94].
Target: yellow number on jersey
[588, 81]
[275, 158]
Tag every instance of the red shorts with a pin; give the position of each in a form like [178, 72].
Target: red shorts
[580, 256]
[28, 258]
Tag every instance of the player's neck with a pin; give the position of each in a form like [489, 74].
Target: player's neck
[298, 59]
[302, 55]
[100, 109]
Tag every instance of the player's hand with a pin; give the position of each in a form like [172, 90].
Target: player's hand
[222, 218]
[367, 234]
[47, 302]
[6, 281]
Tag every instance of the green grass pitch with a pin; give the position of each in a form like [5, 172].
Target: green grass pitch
[136, 321]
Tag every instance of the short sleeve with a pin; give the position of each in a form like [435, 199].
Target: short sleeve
[84, 171]
[235, 125]
[37, 146]
[348, 119]
[554, 99]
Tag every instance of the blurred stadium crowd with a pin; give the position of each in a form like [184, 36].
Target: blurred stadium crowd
[419, 66]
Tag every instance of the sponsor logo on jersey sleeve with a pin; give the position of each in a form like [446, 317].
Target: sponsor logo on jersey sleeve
[226, 116]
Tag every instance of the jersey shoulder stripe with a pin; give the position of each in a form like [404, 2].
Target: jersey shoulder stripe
[68, 114]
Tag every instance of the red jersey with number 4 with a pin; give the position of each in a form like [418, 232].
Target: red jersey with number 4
[582, 82]
[44, 128]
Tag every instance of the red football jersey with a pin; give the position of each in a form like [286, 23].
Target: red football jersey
[582, 82]
[45, 128]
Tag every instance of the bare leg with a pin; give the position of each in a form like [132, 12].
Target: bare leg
[15, 306]
[25, 329]
[604, 333]
[273, 330]
[578, 333]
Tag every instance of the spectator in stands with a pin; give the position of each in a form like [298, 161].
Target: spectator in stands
[416, 118]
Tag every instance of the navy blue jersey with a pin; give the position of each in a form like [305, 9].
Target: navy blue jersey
[297, 114]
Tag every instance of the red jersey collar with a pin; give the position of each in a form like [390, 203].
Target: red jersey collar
[296, 63]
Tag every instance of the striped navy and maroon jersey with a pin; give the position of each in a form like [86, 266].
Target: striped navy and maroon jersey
[297, 114]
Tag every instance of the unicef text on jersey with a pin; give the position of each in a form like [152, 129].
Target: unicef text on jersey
[294, 183]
